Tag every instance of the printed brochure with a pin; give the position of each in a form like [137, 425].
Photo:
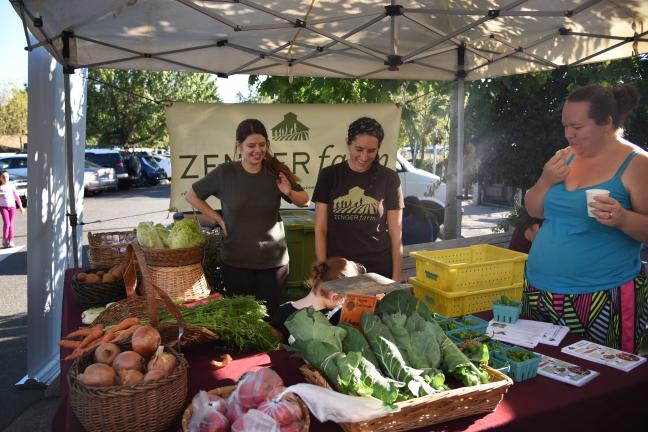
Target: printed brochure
[566, 372]
[594, 352]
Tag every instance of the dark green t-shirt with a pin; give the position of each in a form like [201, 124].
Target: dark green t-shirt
[250, 207]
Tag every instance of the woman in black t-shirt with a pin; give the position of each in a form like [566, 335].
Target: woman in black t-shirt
[358, 205]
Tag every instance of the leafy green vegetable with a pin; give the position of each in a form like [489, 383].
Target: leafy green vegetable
[163, 233]
[238, 321]
[400, 301]
[458, 365]
[519, 354]
[320, 343]
[476, 352]
[186, 233]
[505, 301]
[390, 358]
[148, 236]
[448, 325]
[427, 337]
[467, 334]
[355, 341]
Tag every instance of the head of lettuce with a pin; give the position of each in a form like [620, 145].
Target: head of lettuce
[184, 233]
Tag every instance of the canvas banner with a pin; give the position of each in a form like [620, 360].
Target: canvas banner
[305, 137]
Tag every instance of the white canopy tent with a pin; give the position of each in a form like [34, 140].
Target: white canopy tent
[425, 40]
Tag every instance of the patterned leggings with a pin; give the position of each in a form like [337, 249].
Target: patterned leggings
[616, 317]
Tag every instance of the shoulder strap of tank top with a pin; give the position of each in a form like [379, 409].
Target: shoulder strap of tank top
[625, 163]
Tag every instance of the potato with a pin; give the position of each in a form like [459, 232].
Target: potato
[117, 271]
[100, 273]
[81, 277]
[108, 277]
[92, 278]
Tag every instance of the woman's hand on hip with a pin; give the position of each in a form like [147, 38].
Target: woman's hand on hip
[556, 169]
[284, 184]
[608, 211]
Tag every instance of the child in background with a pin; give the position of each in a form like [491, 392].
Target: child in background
[8, 200]
[320, 298]
[417, 224]
[525, 232]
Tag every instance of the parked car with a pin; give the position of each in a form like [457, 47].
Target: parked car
[110, 159]
[164, 162]
[97, 179]
[15, 164]
[152, 173]
[20, 183]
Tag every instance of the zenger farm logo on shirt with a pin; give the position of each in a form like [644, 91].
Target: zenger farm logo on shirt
[355, 206]
[290, 129]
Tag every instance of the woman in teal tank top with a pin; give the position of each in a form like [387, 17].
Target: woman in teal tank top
[585, 271]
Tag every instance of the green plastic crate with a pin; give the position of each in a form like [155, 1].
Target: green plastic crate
[300, 237]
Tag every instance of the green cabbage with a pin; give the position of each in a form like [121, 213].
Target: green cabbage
[148, 236]
[185, 233]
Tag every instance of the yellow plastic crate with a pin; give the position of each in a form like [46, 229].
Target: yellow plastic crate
[469, 268]
[452, 304]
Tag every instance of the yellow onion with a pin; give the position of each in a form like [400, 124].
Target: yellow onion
[98, 375]
[163, 361]
[128, 360]
[146, 340]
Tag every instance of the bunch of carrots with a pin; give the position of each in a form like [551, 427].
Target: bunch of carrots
[86, 338]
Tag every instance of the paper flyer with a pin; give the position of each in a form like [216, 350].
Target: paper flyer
[566, 372]
[604, 355]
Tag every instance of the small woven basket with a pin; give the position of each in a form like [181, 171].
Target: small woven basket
[144, 407]
[429, 410]
[107, 249]
[224, 392]
[174, 257]
[97, 294]
[182, 282]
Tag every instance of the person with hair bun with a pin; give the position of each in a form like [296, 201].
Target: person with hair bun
[358, 205]
[254, 253]
[586, 272]
[319, 297]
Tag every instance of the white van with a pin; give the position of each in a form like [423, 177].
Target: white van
[424, 185]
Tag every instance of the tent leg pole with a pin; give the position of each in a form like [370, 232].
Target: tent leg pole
[72, 215]
[461, 93]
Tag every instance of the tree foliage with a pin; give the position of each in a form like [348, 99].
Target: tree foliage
[515, 122]
[126, 107]
[424, 102]
[13, 111]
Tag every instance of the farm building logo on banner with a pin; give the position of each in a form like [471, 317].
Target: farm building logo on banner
[306, 137]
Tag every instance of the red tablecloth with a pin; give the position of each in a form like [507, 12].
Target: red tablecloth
[614, 400]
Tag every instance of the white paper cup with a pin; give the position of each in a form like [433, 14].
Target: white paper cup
[591, 193]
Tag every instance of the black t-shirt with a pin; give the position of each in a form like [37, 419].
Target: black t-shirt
[287, 309]
[357, 213]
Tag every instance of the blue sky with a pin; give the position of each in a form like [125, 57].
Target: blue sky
[14, 57]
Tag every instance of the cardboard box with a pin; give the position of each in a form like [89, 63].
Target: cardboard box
[361, 294]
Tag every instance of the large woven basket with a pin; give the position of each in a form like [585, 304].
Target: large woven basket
[144, 407]
[182, 282]
[174, 257]
[224, 392]
[429, 410]
[107, 249]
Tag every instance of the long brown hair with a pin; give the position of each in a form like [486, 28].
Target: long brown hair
[253, 126]
[331, 269]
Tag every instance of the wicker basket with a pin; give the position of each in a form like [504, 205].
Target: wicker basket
[174, 257]
[181, 283]
[144, 407]
[107, 249]
[137, 306]
[429, 410]
[97, 294]
[224, 392]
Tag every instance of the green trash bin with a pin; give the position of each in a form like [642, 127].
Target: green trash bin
[300, 237]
